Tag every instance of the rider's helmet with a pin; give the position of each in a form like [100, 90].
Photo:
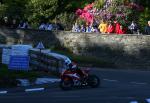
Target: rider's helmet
[71, 65]
[74, 65]
[68, 63]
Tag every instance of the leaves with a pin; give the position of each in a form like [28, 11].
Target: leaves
[13, 8]
[144, 17]
[99, 3]
[36, 11]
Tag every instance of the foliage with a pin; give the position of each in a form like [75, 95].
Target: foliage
[48, 10]
[84, 60]
[13, 8]
[2, 10]
[99, 3]
[123, 11]
[8, 77]
[2, 39]
[36, 11]
[145, 3]
[118, 2]
[66, 20]
[39, 10]
[143, 18]
[81, 21]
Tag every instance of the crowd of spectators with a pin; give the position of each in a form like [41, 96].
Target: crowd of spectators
[83, 28]
[104, 27]
[109, 27]
[50, 26]
[14, 23]
[24, 24]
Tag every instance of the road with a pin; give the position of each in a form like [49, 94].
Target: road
[117, 86]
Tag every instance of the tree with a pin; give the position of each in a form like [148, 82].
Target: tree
[41, 11]
[99, 3]
[14, 8]
[36, 11]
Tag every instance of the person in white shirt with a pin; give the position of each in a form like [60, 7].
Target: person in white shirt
[42, 26]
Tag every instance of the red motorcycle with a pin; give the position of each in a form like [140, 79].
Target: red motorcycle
[78, 78]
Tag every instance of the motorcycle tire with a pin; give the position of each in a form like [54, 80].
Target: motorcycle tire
[93, 81]
[66, 85]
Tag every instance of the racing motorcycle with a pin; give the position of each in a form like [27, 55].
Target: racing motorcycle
[71, 79]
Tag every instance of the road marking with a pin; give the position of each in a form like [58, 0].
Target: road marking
[148, 100]
[133, 102]
[110, 80]
[3, 92]
[34, 89]
[138, 83]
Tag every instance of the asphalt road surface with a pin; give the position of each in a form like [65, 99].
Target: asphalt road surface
[117, 86]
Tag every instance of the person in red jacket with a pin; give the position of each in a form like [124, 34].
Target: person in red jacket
[122, 30]
[117, 28]
[110, 28]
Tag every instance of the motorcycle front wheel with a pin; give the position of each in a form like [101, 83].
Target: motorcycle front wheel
[93, 81]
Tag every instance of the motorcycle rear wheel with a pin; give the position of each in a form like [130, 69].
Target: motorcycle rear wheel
[66, 84]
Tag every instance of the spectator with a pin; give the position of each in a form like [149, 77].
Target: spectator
[103, 27]
[6, 22]
[88, 29]
[73, 28]
[20, 24]
[50, 27]
[57, 25]
[117, 27]
[110, 28]
[24, 25]
[122, 30]
[14, 24]
[42, 26]
[147, 29]
[133, 28]
[82, 28]
[76, 27]
[94, 29]
[60, 26]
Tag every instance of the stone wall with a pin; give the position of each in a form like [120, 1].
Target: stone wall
[125, 51]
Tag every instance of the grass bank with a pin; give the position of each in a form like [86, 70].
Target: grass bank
[86, 60]
[8, 77]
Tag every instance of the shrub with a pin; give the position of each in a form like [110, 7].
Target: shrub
[2, 39]
[143, 18]
[99, 3]
[86, 60]
[66, 19]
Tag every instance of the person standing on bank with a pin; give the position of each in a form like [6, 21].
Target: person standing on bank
[147, 29]
[103, 27]
[133, 28]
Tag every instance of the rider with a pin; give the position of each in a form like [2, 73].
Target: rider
[73, 67]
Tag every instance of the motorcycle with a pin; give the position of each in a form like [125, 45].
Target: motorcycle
[71, 79]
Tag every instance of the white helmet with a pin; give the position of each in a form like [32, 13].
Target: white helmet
[74, 66]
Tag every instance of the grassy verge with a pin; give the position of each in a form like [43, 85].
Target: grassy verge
[21, 74]
[86, 60]
[8, 77]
